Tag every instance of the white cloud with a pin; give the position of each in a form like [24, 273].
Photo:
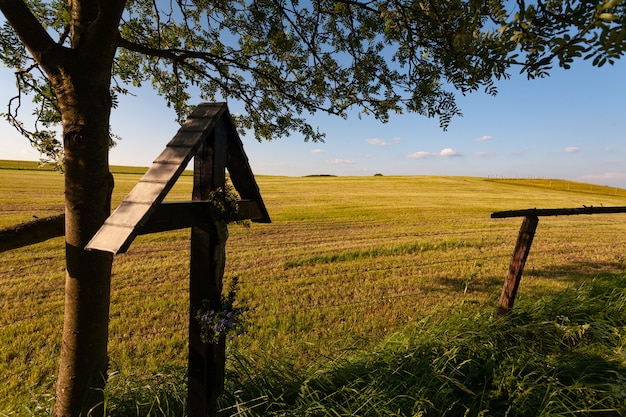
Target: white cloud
[395, 140]
[420, 155]
[449, 153]
[340, 161]
[572, 149]
[318, 151]
[484, 154]
[483, 138]
[377, 142]
[605, 176]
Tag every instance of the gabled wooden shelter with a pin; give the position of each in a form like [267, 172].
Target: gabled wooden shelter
[210, 137]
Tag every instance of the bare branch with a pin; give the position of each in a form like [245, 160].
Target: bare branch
[32, 34]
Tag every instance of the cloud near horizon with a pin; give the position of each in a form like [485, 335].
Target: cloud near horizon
[445, 153]
[483, 138]
[318, 151]
[377, 142]
[484, 154]
[449, 153]
[420, 155]
[340, 161]
[604, 176]
[572, 149]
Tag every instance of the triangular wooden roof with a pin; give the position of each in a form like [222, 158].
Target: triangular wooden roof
[133, 215]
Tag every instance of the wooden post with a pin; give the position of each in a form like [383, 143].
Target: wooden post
[210, 137]
[206, 361]
[518, 260]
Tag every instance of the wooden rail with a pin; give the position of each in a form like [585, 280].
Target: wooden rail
[558, 211]
[525, 240]
[168, 216]
[32, 232]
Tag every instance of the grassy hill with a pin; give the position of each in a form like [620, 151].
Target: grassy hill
[354, 274]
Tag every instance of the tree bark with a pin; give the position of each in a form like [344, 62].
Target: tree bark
[83, 92]
[81, 76]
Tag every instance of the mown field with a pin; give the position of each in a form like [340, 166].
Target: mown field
[346, 262]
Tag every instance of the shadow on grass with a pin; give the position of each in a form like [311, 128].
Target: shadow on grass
[576, 271]
[486, 285]
[558, 354]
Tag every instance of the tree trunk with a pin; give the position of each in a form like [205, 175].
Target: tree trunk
[81, 77]
[85, 103]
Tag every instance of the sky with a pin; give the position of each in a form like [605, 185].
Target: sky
[571, 125]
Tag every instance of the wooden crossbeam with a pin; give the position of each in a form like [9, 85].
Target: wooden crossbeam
[558, 211]
[32, 232]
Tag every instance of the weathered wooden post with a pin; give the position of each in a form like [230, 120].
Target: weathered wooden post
[207, 360]
[210, 137]
[518, 260]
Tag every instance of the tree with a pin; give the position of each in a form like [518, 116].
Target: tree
[283, 60]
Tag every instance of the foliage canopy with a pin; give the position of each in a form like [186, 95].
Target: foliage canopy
[286, 59]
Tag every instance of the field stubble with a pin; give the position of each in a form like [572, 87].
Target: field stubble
[346, 262]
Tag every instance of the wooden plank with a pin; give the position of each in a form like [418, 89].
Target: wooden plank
[145, 197]
[204, 117]
[177, 215]
[249, 209]
[187, 139]
[209, 110]
[241, 174]
[558, 211]
[111, 238]
[518, 260]
[145, 192]
[32, 232]
[162, 173]
[176, 155]
[129, 214]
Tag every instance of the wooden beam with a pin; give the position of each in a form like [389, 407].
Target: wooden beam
[558, 212]
[240, 172]
[185, 214]
[32, 232]
[518, 260]
[206, 361]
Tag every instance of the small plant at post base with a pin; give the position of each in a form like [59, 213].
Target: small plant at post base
[216, 324]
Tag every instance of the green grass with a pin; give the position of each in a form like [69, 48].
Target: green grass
[347, 262]
[557, 355]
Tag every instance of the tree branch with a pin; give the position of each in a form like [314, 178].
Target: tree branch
[30, 31]
[109, 16]
[364, 6]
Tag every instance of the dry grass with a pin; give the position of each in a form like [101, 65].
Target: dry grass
[345, 262]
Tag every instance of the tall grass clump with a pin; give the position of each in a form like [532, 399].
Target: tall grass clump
[558, 355]
[159, 394]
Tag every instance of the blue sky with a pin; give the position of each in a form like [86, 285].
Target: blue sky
[571, 125]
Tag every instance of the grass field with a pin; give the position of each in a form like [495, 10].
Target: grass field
[346, 262]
